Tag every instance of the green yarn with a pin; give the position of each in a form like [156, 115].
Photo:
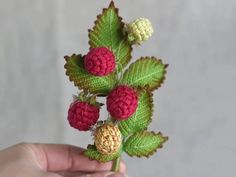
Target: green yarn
[75, 70]
[142, 117]
[107, 32]
[144, 144]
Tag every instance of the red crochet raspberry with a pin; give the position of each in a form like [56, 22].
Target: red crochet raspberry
[122, 102]
[100, 61]
[82, 115]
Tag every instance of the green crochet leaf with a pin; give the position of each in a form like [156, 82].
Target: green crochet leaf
[108, 32]
[144, 144]
[144, 72]
[142, 117]
[92, 153]
[75, 70]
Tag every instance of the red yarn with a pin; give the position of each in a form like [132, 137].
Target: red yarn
[100, 61]
[82, 115]
[122, 102]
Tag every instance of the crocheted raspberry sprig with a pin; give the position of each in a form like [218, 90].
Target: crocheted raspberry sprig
[128, 92]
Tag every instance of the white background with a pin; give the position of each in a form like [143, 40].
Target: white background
[196, 107]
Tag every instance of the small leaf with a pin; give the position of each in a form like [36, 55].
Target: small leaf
[142, 117]
[144, 144]
[75, 70]
[92, 153]
[107, 32]
[144, 72]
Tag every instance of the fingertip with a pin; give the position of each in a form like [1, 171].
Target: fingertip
[102, 166]
[103, 174]
[123, 168]
[116, 175]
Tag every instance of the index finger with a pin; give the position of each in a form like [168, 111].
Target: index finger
[56, 157]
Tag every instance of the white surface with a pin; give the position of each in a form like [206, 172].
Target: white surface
[195, 106]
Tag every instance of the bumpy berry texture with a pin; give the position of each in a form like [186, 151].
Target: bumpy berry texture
[129, 98]
[139, 30]
[100, 61]
[122, 102]
[82, 115]
[108, 139]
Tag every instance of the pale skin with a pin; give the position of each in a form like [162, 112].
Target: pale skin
[52, 160]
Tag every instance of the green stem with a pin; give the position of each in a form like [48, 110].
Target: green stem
[116, 164]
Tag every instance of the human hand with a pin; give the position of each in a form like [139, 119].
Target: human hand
[52, 160]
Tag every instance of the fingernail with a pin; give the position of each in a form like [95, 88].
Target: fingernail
[117, 175]
[110, 174]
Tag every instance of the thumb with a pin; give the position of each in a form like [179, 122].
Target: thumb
[103, 174]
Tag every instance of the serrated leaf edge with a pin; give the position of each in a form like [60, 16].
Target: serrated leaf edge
[156, 60]
[155, 150]
[111, 5]
[151, 104]
[101, 160]
[80, 56]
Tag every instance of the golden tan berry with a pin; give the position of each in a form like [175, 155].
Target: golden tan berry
[108, 139]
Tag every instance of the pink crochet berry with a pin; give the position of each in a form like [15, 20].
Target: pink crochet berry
[122, 102]
[100, 61]
[82, 115]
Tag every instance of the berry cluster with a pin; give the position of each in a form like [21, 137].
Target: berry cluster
[128, 94]
[122, 101]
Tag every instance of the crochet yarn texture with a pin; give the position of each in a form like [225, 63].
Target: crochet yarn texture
[108, 139]
[100, 61]
[106, 74]
[82, 115]
[139, 30]
[122, 102]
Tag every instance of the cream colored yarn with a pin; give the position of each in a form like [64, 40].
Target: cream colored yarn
[108, 139]
[139, 30]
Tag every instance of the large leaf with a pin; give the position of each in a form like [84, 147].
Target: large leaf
[144, 72]
[75, 70]
[107, 32]
[93, 154]
[142, 117]
[144, 144]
